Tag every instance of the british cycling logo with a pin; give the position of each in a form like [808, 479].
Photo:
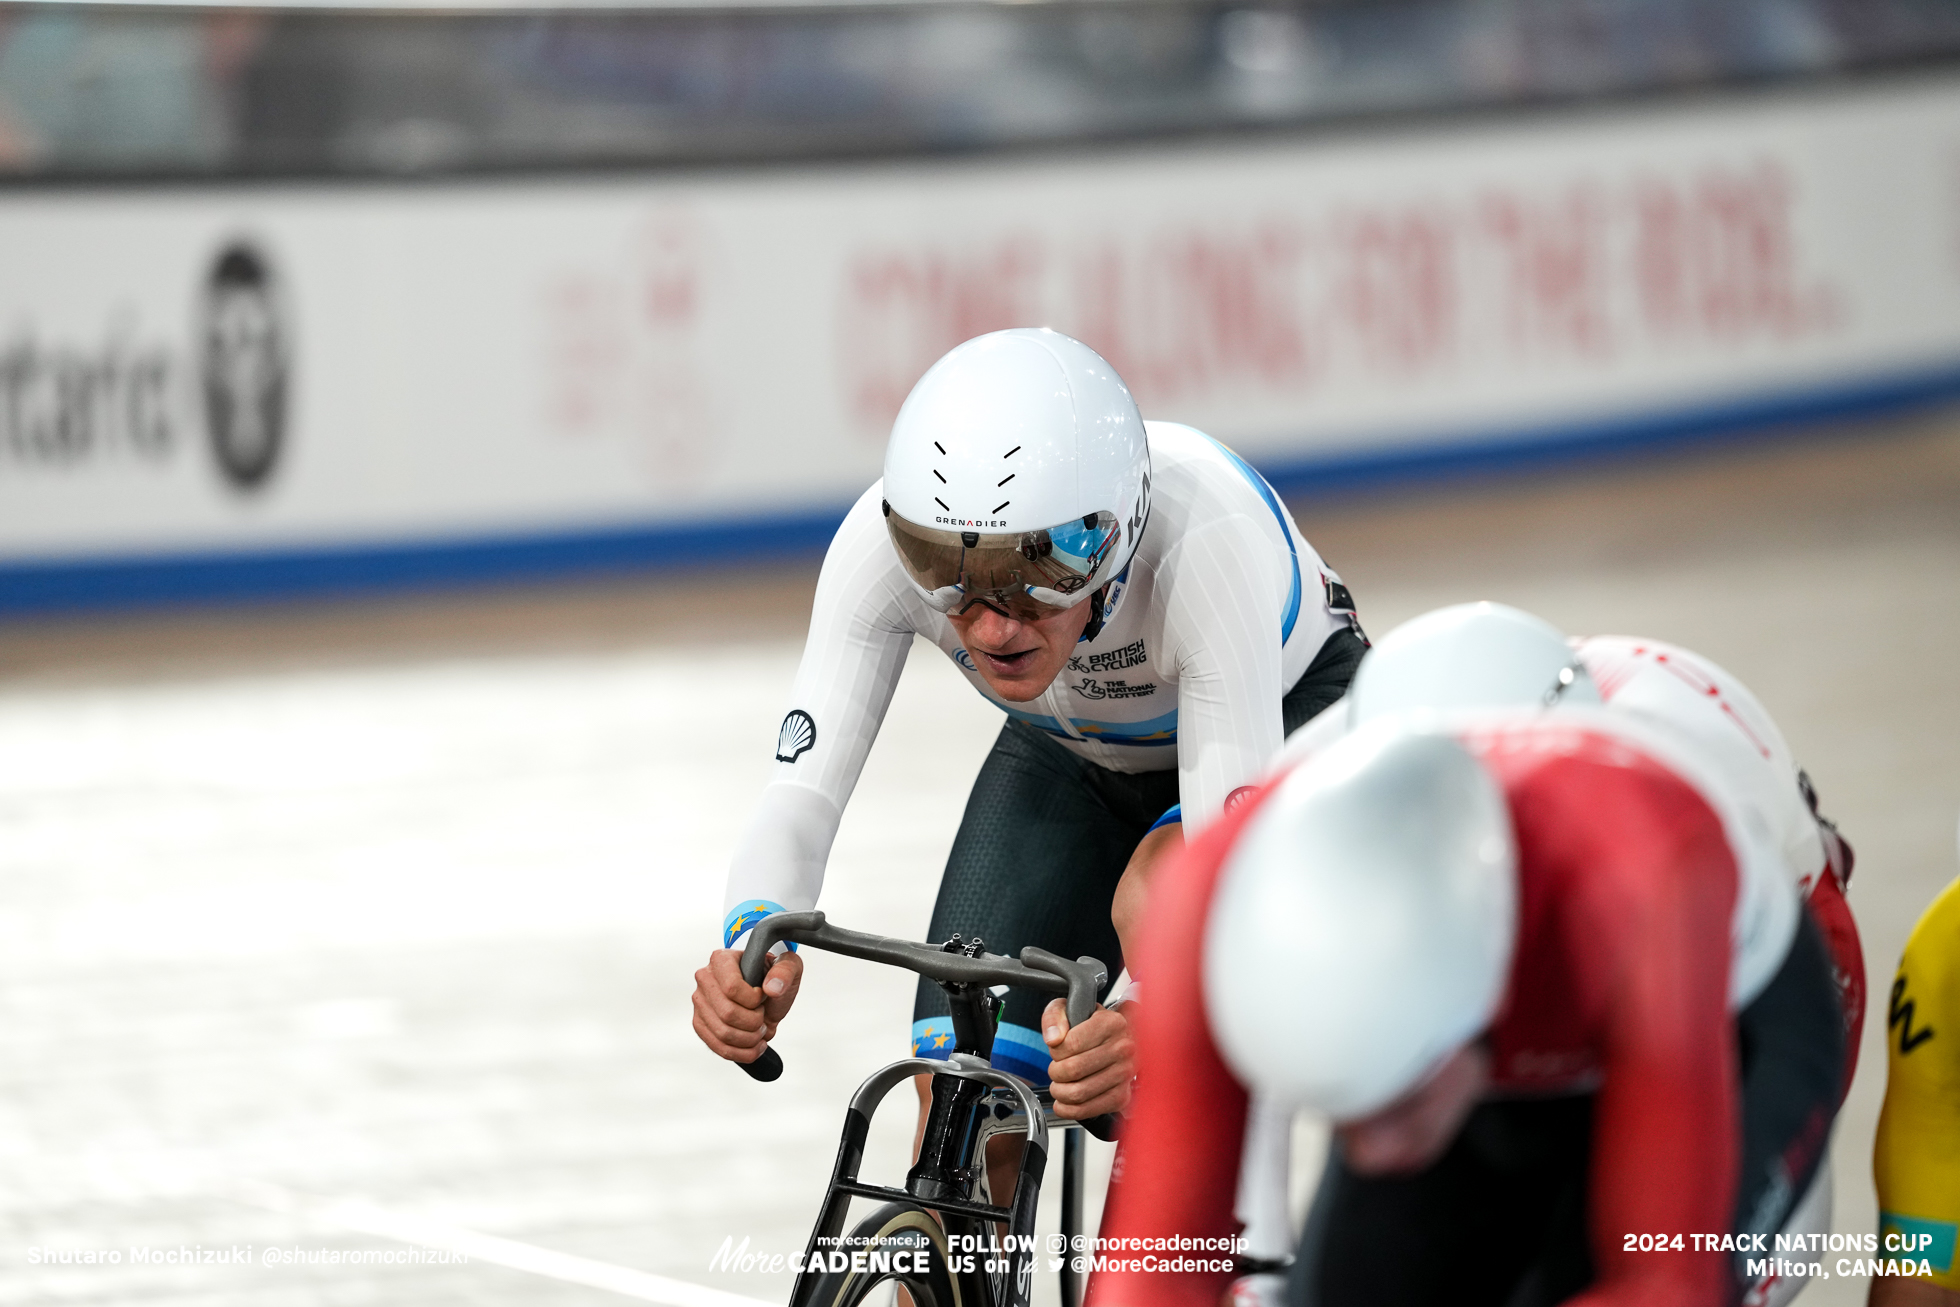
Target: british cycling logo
[965, 659]
[795, 736]
[243, 365]
[1132, 654]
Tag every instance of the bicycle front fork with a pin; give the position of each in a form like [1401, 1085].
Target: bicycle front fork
[966, 1095]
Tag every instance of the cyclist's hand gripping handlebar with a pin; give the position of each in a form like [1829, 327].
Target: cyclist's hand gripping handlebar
[1078, 981]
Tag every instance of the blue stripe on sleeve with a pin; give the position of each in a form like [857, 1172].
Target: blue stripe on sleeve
[1279, 516]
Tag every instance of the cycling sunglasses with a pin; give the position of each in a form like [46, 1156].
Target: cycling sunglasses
[1028, 575]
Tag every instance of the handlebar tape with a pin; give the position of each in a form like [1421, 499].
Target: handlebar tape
[769, 1066]
[1079, 981]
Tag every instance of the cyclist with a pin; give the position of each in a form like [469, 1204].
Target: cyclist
[1488, 654]
[1686, 692]
[1137, 601]
[1491, 655]
[1916, 1159]
[1530, 943]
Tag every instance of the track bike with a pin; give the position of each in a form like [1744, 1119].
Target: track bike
[954, 1260]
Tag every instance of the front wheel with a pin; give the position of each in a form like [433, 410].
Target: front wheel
[895, 1235]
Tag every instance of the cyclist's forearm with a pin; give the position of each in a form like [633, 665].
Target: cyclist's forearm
[1666, 1144]
[1126, 907]
[856, 650]
[779, 865]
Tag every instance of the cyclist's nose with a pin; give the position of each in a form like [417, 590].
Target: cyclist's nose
[991, 627]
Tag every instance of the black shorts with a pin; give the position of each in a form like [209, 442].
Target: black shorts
[1045, 839]
[1501, 1220]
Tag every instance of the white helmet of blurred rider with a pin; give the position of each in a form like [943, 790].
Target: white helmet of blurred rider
[1693, 696]
[1018, 474]
[1363, 927]
[1480, 655]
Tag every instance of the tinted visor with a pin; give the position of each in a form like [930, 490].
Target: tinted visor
[1026, 574]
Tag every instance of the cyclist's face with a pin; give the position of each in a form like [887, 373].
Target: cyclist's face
[1019, 659]
[1413, 1131]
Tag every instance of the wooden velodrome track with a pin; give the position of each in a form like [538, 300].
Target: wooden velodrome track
[361, 926]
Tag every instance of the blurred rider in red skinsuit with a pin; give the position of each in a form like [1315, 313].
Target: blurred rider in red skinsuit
[1539, 966]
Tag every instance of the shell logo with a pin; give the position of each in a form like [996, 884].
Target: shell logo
[796, 735]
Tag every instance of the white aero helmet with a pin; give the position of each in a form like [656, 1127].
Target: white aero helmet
[1018, 474]
[1364, 925]
[1690, 695]
[1480, 655]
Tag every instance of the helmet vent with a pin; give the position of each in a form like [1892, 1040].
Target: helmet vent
[942, 503]
[1003, 481]
[936, 445]
[1002, 504]
[1009, 454]
[942, 480]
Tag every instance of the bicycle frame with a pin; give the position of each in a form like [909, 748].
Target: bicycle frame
[959, 1093]
[971, 1102]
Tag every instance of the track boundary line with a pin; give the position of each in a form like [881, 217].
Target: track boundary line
[362, 1217]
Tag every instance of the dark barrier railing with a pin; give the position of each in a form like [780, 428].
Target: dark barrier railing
[102, 92]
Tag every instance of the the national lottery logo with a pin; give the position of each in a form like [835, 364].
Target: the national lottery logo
[1090, 688]
[796, 735]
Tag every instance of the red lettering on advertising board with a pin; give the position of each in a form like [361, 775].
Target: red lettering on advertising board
[1715, 256]
[1189, 310]
[623, 352]
[1395, 290]
[583, 351]
[670, 259]
[902, 310]
[1586, 272]
[1556, 281]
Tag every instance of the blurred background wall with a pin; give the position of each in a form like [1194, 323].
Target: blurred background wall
[369, 923]
[302, 300]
